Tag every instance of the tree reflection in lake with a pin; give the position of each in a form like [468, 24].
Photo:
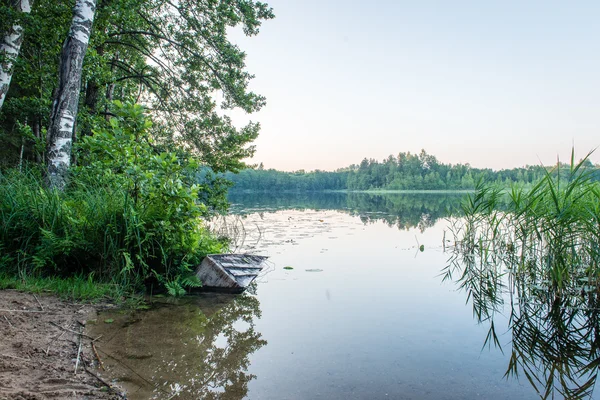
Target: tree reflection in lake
[193, 348]
[403, 210]
[555, 331]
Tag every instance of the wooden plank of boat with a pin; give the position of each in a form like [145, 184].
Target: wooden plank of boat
[229, 273]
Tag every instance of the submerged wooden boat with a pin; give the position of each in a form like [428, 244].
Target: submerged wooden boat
[229, 273]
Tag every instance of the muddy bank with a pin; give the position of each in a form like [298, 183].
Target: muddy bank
[40, 346]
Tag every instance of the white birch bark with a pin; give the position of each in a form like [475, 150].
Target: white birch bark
[9, 49]
[64, 108]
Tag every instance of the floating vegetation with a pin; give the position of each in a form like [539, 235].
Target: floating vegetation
[537, 252]
[314, 270]
[288, 267]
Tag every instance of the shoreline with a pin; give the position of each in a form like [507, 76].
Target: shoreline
[368, 191]
[45, 352]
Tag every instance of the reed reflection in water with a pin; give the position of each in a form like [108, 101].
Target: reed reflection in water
[555, 329]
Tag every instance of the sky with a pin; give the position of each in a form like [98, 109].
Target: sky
[496, 84]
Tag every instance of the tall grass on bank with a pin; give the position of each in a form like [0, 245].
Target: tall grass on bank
[77, 288]
[94, 230]
[550, 233]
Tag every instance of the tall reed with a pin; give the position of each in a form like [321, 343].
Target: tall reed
[536, 251]
[550, 232]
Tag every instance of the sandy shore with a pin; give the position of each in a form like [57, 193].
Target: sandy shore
[40, 347]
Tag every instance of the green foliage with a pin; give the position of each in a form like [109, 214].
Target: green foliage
[405, 172]
[35, 77]
[272, 180]
[536, 251]
[176, 57]
[77, 288]
[134, 207]
[130, 214]
[549, 232]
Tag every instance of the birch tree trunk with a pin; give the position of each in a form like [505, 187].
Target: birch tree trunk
[9, 49]
[64, 108]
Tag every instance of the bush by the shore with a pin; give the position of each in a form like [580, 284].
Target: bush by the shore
[130, 215]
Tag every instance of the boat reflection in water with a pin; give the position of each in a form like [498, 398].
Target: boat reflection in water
[555, 330]
[196, 348]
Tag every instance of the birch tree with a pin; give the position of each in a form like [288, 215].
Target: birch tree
[10, 47]
[175, 57]
[64, 108]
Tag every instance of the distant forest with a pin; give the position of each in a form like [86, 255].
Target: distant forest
[403, 172]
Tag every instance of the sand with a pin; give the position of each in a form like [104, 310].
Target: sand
[39, 347]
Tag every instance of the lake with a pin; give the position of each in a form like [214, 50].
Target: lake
[353, 306]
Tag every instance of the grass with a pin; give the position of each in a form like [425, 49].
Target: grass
[536, 250]
[99, 232]
[76, 288]
[129, 216]
[550, 231]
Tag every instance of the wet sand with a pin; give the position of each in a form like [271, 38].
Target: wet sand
[41, 345]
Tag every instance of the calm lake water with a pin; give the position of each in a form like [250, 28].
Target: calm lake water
[362, 314]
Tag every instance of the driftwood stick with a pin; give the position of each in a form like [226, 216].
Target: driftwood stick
[98, 338]
[79, 350]
[38, 301]
[7, 320]
[72, 331]
[35, 311]
[97, 356]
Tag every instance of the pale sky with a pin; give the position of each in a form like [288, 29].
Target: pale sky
[496, 84]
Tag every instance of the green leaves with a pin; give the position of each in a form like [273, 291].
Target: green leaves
[131, 213]
[163, 193]
[175, 56]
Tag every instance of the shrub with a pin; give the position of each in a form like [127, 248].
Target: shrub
[130, 213]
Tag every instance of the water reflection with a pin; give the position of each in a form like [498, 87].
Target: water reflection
[402, 210]
[555, 333]
[192, 348]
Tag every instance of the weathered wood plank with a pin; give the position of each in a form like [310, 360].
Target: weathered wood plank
[230, 272]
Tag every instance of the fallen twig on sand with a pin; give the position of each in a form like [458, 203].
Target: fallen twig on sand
[79, 350]
[72, 331]
[11, 325]
[38, 301]
[34, 311]
[98, 338]
[97, 356]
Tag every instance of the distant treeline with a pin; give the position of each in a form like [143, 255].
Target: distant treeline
[403, 172]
